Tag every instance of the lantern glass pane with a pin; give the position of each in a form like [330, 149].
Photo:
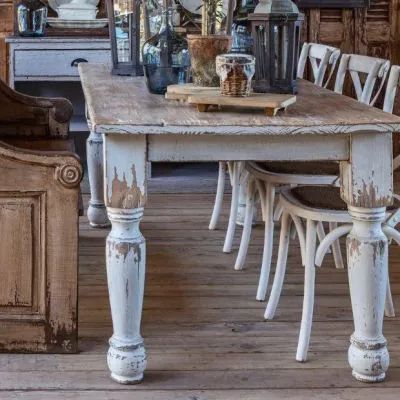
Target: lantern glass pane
[123, 10]
[281, 42]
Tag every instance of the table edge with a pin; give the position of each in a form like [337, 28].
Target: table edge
[242, 130]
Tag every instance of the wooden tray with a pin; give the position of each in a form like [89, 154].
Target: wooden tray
[182, 92]
[270, 102]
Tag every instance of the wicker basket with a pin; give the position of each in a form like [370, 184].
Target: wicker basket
[236, 72]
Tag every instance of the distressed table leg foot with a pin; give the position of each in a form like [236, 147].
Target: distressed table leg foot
[367, 252]
[126, 255]
[96, 213]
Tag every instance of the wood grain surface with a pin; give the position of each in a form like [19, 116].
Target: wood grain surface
[205, 333]
[134, 110]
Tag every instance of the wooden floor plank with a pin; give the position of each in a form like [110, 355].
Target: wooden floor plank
[258, 394]
[205, 333]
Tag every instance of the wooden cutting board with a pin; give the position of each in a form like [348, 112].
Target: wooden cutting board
[271, 103]
[182, 92]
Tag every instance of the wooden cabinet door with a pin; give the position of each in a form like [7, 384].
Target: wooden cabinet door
[6, 28]
[372, 31]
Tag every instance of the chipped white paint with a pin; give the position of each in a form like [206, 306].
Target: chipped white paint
[367, 248]
[125, 194]
[368, 180]
[125, 171]
[52, 58]
[221, 137]
[367, 258]
[279, 130]
[126, 263]
[262, 148]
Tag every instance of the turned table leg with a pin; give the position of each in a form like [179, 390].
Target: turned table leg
[126, 262]
[96, 213]
[367, 186]
[125, 182]
[367, 252]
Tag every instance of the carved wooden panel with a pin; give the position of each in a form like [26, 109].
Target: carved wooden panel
[18, 267]
[38, 247]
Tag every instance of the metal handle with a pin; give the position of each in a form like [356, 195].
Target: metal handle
[77, 61]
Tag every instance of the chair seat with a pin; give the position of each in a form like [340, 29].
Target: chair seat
[302, 167]
[325, 198]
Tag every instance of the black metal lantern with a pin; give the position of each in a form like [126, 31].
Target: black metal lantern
[124, 25]
[275, 26]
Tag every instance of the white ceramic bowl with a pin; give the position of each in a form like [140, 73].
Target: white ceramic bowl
[54, 4]
[77, 13]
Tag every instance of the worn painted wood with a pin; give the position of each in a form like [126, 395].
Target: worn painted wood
[96, 212]
[53, 58]
[136, 124]
[199, 353]
[317, 111]
[125, 196]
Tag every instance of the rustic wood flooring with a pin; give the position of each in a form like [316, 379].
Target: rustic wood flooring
[205, 334]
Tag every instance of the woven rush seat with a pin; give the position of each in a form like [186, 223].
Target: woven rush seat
[325, 197]
[302, 167]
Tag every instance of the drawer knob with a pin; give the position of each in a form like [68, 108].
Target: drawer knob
[77, 61]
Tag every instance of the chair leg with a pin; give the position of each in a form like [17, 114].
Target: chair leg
[234, 207]
[302, 237]
[261, 192]
[248, 223]
[309, 288]
[280, 267]
[268, 240]
[321, 234]
[278, 212]
[219, 197]
[337, 252]
[389, 308]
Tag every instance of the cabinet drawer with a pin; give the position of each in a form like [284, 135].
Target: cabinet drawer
[55, 63]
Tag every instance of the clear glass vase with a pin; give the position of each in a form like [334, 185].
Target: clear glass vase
[165, 57]
[31, 17]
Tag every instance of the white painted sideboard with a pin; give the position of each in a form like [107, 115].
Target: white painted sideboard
[53, 58]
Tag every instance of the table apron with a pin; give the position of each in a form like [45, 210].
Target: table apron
[183, 148]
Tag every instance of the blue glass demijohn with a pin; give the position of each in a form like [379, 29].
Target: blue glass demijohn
[165, 57]
[31, 17]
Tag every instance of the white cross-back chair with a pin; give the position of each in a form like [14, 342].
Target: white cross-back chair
[373, 68]
[318, 205]
[270, 176]
[321, 58]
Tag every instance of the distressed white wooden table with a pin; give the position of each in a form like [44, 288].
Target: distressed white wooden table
[140, 127]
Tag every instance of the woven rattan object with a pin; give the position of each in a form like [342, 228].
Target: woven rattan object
[236, 72]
